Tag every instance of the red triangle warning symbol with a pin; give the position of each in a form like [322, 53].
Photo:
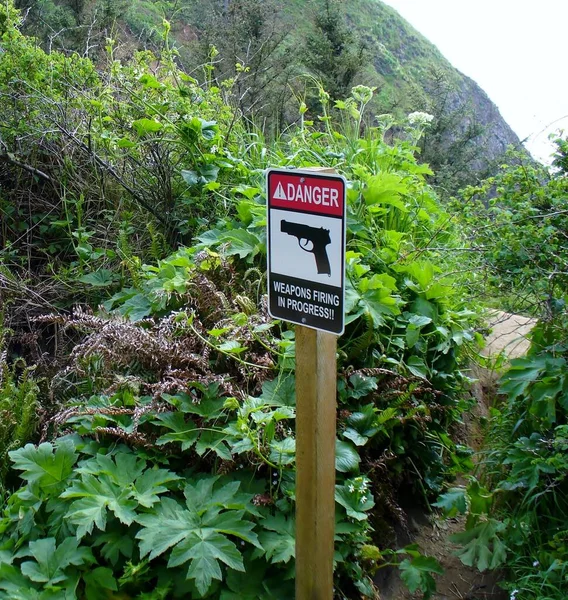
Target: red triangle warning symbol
[279, 193]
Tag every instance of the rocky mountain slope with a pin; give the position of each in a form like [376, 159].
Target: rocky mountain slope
[412, 71]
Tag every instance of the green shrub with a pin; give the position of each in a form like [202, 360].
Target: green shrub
[18, 409]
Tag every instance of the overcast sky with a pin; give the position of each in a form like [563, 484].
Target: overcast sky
[515, 50]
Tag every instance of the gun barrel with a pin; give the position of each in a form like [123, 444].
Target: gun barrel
[317, 235]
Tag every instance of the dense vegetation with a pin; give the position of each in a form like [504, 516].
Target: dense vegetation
[271, 49]
[147, 399]
[133, 280]
[517, 506]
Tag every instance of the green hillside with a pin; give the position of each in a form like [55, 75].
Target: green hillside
[266, 50]
[148, 431]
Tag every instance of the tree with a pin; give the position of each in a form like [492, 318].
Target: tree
[252, 51]
[451, 143]
[331, 52]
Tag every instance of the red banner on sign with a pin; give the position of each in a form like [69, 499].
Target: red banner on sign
[308, 193]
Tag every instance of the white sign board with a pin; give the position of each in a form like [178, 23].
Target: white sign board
[306, 248]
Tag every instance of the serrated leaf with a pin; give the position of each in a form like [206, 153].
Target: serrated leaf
[386, 189]
[181, 431]
[100, 278]
[150, 484]
[99, 582]
[453, 502]
[377, 303]
[482, 547]
[47, 465]
[16, 585]
[196, 533]
[209, 407]
[278, 539]
[113, 544]
[97, 496]
[215, 441]
[51, 561]
[416, 574]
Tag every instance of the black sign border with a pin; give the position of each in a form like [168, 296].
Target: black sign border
[298, 281]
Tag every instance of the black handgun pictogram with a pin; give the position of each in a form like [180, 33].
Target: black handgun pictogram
[319, 238]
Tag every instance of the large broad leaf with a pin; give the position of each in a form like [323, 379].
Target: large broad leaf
[14, 586]
[180, 431]
[418, 367]
[386, 189]
[280, 391]
[97, 496]
[51, 561]
[114, 544]
[209, 406]
[197, 533]
[100, 278]
[346, 457]
[374, 298]
[247, 585]
[482, 546]
[361, 385]
[47, 465]
[416, 574]
[136, 308]
[144, 126]
[118, 484]
[453, 502]
[99, 583]
[283, 452]
[278, 539]
[242, 242]
[362, 425]
[213, 440]
[354, 503]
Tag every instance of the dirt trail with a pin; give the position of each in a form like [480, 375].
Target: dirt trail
[509, 335]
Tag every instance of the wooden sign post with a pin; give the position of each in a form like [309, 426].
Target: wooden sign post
[316, 375]
[306, 216]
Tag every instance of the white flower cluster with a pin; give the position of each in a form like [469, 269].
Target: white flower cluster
[359, 486]
[420, 118]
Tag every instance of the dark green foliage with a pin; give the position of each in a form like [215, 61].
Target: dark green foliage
[332, 53]
[453, 142]
[19, 404]
[18, 409]
[172, 399]
[517, 237]
[517, 514]
[245, 48]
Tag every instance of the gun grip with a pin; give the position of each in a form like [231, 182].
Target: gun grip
[322, 263]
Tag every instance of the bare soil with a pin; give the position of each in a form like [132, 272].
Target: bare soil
[508, 336]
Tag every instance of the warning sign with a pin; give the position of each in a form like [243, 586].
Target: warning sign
[306, 248]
